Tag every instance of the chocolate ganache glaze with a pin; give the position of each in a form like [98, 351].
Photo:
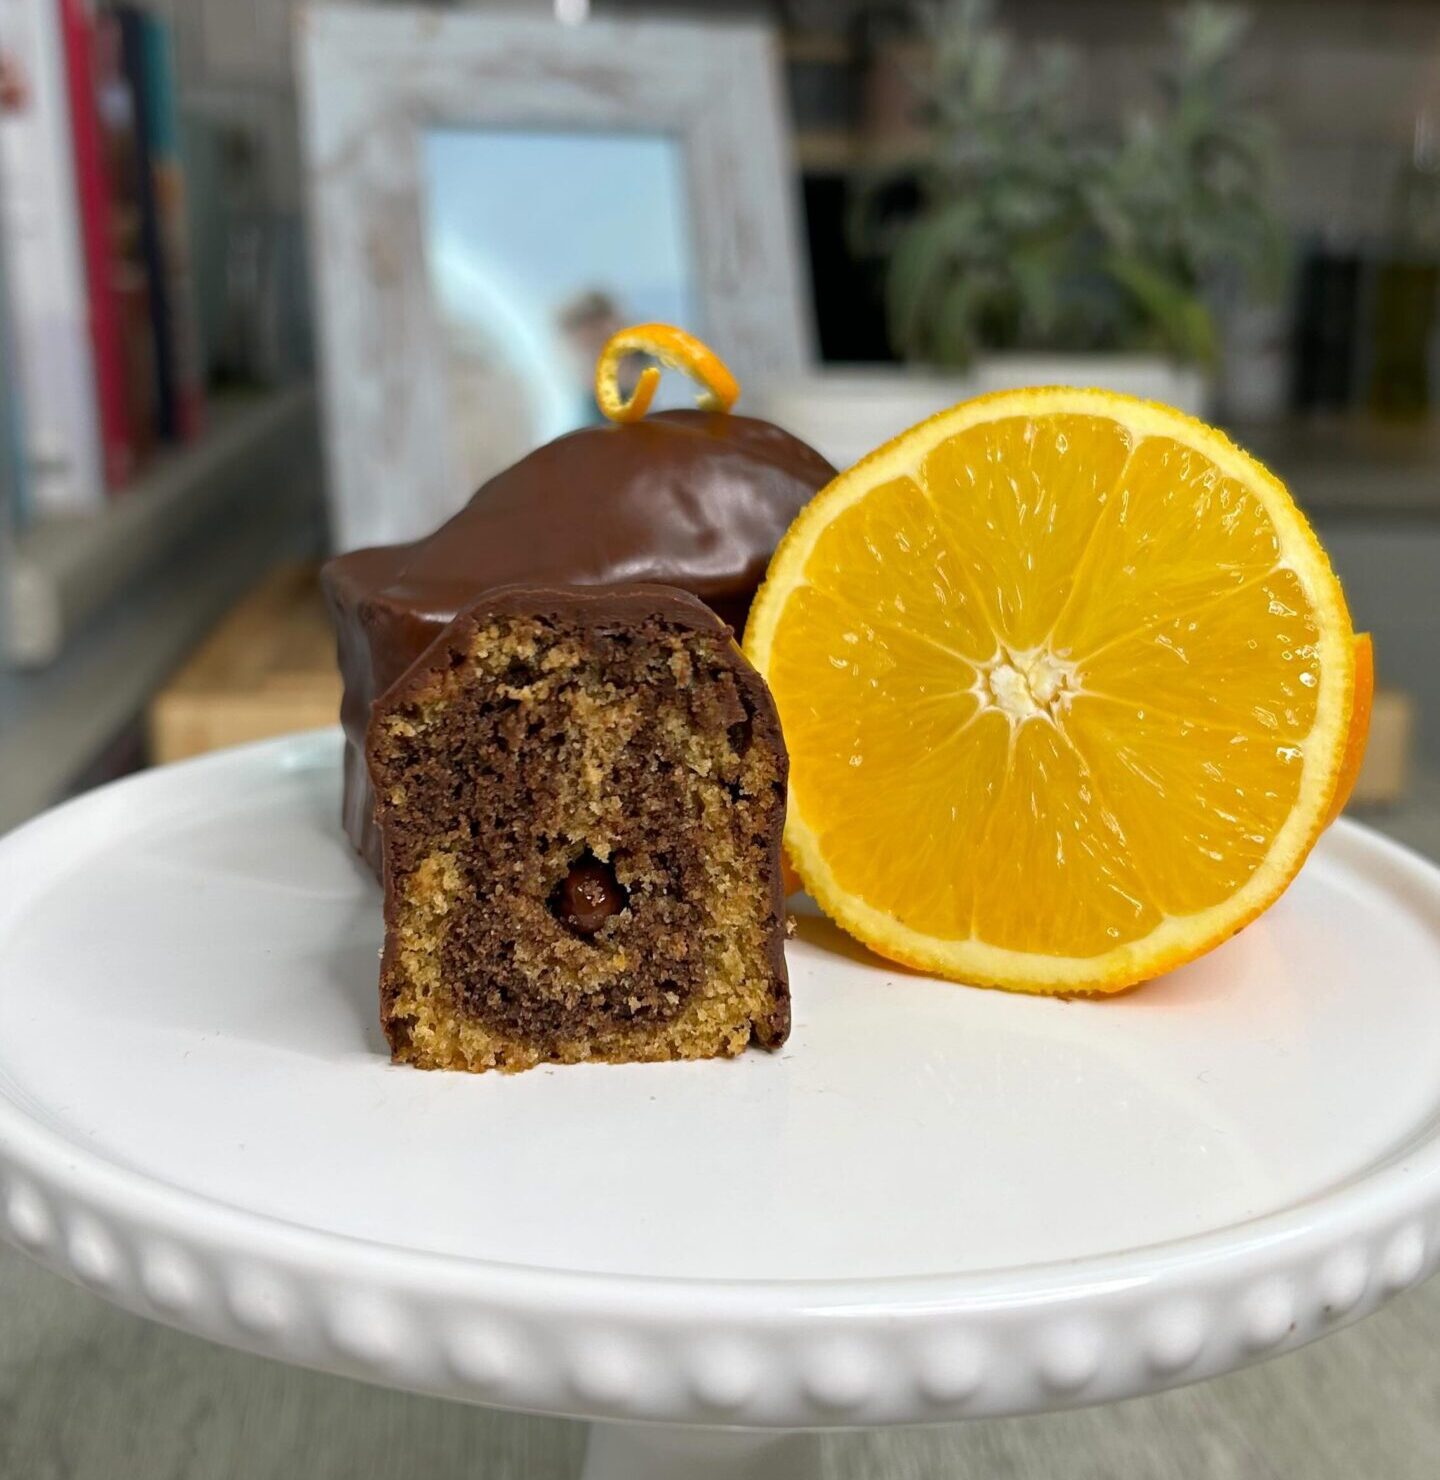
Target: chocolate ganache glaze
[692, 499]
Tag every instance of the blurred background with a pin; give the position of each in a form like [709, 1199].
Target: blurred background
[1233, 209]
[276, 281]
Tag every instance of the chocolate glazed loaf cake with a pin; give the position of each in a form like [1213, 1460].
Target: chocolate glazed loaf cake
[581, 795]
[686, 498]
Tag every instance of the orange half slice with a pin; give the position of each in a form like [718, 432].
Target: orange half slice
[1066, 680]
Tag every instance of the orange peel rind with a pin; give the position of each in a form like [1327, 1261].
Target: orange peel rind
[673, 348]
[1359, 732]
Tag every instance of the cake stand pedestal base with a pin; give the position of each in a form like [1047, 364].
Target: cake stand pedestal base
[618, 1451]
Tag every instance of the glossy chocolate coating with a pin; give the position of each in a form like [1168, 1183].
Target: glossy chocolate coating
[692, 499]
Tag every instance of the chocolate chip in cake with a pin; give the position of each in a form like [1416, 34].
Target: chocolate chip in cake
[588, 895]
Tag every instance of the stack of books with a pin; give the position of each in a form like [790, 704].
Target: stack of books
[94, 236]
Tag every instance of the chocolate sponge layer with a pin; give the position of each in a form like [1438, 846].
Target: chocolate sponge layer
[581, 794]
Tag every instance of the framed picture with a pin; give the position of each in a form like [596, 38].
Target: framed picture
[491, 196]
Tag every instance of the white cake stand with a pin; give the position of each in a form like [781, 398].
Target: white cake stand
[935, 1203]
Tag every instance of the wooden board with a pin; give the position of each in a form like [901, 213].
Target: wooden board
[268, 669]
[1384, 777]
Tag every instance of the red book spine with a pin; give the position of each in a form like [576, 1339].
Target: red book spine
[92, 186]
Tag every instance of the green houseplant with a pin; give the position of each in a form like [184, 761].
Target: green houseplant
[1035, 233]
[1039, 251]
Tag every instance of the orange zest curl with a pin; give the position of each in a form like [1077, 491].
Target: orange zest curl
[673, 348]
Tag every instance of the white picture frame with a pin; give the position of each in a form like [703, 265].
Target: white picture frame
[373, 81]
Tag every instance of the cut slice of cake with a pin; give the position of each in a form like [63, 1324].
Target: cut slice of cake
[692, 499]
[580, 795]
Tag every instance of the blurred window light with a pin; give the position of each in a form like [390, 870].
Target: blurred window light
[572, 12]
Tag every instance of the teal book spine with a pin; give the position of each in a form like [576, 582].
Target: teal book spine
[162, 127]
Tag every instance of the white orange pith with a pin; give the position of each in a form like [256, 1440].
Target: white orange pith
[1066, 679]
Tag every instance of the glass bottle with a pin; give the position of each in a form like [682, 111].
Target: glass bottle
[1407, 284]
